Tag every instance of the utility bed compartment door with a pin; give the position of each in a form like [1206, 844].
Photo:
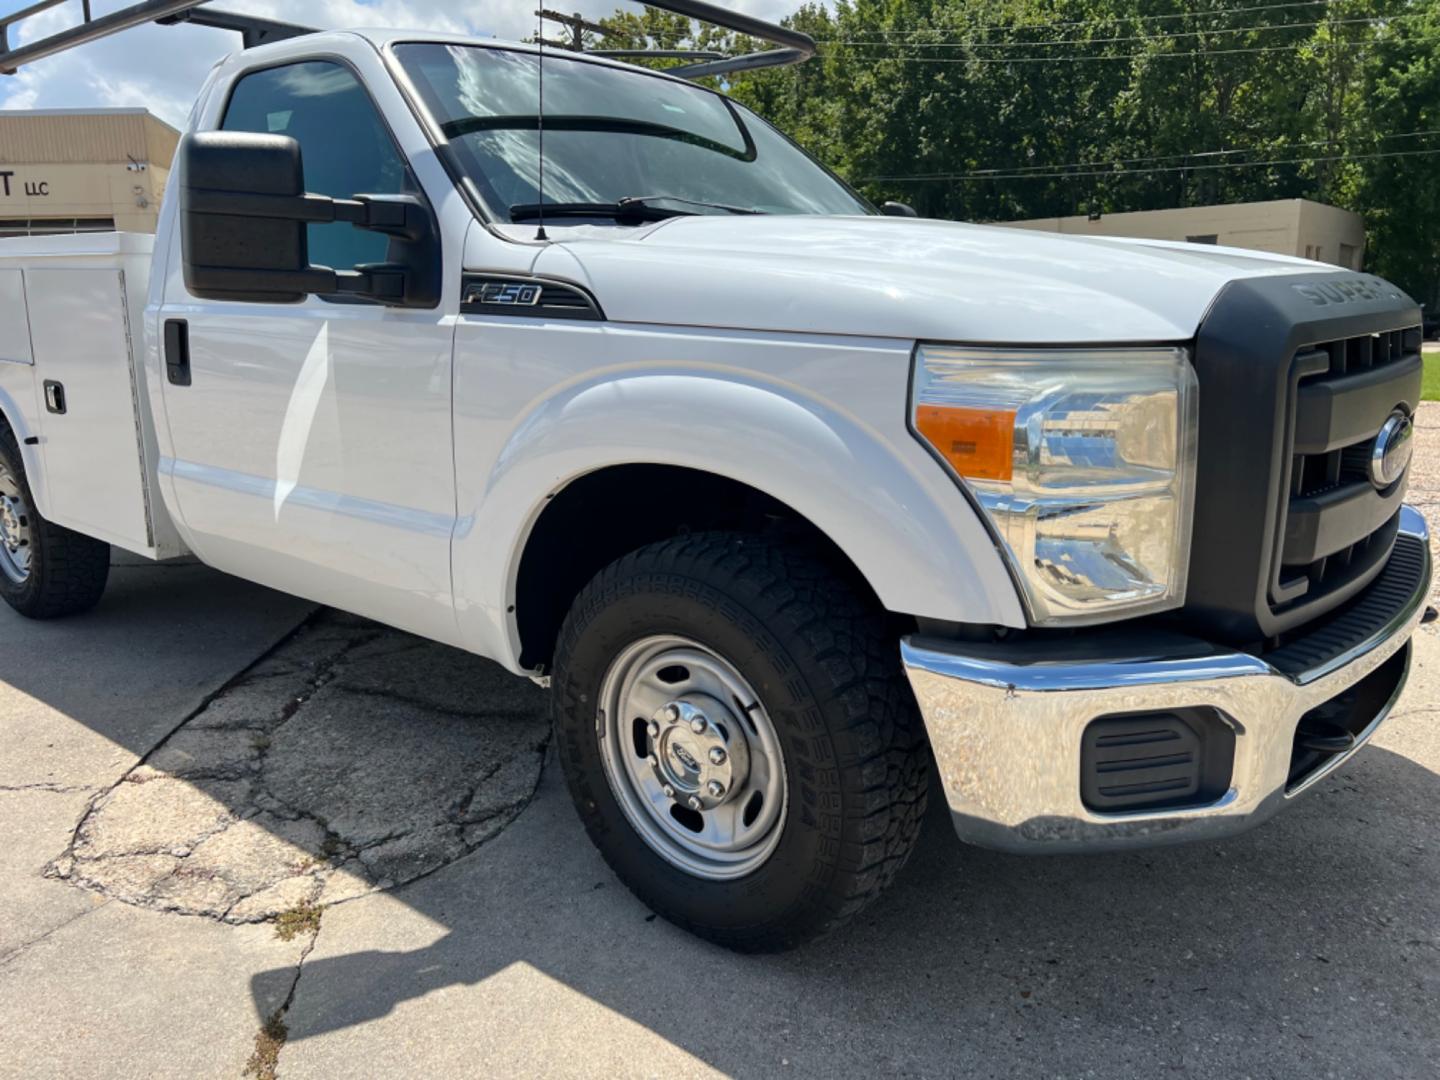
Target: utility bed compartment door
[80, 336]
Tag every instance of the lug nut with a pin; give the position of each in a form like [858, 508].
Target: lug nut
[672, 713]
[715, 788]
[717, 756]
[654, 729]
[694, 803]
[669, 791]
[698, 724]
[653, 761]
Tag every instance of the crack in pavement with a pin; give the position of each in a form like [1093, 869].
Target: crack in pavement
[270, 1039]
[347, 760]
[26, 946]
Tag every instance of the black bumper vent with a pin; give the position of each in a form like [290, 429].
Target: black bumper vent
[1338, 725]
[1149, 761]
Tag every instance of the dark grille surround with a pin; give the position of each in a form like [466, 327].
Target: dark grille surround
[1297, 375]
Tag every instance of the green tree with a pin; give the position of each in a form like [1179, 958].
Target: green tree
[1401, 193]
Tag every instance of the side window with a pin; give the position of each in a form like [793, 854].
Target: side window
[345, 146]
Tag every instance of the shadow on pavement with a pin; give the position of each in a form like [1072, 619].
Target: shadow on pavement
[161, 640]
[1308, 946]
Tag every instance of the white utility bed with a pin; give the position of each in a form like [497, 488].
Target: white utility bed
[73, 384]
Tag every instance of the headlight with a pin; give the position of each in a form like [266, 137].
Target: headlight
[1084, 462]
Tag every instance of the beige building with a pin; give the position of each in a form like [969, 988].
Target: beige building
[82, 170]
[1300, 227]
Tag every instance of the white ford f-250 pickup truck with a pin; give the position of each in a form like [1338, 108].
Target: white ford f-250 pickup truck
[783, 498]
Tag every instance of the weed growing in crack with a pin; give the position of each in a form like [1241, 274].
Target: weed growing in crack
[303, 918]
[268, 1041]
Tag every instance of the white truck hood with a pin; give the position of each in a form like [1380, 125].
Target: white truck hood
[901, 278]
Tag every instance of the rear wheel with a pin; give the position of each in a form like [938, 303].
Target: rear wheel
[738, 738]
[46, 571]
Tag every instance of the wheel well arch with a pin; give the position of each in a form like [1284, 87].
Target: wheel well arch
[602, 515]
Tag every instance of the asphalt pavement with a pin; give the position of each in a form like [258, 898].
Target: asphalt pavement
[239, 832]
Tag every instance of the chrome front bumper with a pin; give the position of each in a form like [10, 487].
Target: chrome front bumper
[1007, 735]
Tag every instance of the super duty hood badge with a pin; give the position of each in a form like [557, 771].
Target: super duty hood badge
[1328, 292]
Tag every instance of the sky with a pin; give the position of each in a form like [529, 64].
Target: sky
[161, 67]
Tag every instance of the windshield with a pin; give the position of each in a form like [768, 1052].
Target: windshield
[610, 135]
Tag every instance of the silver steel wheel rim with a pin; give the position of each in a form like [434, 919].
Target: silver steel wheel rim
[692, 757]
[15, 536]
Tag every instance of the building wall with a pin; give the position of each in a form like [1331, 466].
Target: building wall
[1331, 235]
[59, 166]
[1283, 227]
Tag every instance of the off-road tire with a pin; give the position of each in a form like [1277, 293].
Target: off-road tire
[828, 674]
[68, 570]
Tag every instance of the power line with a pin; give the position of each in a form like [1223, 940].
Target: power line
[1160, 169]
[1053, 170]
[1093, 22]
[1078, 59]
[1114, 40]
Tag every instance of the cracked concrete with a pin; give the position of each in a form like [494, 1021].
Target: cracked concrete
[351, 758]
[381, 780]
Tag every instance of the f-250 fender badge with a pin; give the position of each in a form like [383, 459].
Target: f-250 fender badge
[525, 297]
[509, 293]
[1326, 293]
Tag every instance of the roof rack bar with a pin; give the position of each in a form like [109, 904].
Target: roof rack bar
[253, 30]
[795, 47]
[87, 30]
[748, 62]
[656, 54]
[7, 21]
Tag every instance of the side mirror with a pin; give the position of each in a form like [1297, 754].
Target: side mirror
[898, 209]
[243, 218]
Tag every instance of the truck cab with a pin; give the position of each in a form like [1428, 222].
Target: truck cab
[784, 498]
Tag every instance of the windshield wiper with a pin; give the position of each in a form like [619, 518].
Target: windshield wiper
[633, 208]
[648, 199]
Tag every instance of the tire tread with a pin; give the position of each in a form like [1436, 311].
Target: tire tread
[851, 667]
[68, 569]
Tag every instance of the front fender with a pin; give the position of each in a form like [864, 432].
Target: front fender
[873, 491]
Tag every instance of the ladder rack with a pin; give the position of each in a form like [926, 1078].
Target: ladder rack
[791, 46]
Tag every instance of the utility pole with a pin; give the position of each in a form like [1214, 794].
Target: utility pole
[577, 25]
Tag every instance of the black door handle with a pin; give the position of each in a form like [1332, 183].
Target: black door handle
[54, 397]
[177, 351]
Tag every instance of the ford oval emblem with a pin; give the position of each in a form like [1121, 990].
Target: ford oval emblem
[1392, 450]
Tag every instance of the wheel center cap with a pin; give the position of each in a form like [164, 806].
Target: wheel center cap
[686, 759]
[698, 751]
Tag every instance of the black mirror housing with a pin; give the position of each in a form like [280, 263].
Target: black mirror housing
[243, 218]
[898, 209]
[235, 256]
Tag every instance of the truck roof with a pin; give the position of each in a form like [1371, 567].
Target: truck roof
[380, 37]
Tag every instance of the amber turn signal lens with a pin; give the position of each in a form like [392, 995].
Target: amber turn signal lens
[978, 443]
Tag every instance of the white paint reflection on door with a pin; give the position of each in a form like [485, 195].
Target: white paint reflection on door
[300, 416]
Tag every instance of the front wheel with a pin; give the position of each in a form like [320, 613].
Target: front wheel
[738, 738]
[46, 571]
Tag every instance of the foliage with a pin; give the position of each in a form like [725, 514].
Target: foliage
[1077, 106]
[1430, 389]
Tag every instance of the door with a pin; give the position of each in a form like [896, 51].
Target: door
[89, 431]
[312, 442]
